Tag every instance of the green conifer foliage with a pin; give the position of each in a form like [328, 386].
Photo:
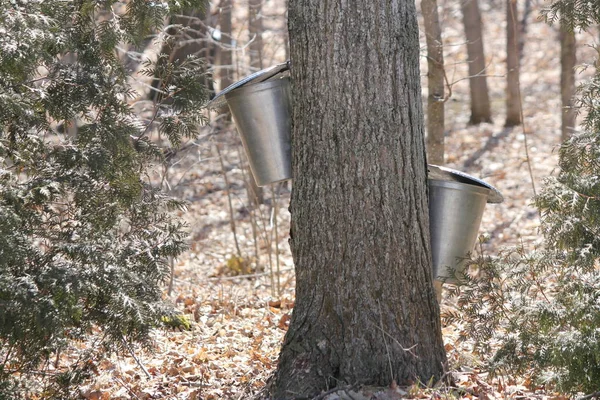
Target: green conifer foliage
[84, 236]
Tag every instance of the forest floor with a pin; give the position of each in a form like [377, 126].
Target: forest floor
[238, 288]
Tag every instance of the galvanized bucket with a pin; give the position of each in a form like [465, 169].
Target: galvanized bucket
[456, 205]
[455, 211]
[262, 114]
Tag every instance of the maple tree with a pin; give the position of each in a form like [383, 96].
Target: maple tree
[365, 308]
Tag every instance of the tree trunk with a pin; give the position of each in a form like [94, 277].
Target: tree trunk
[513, 98]
[523, 27]
[365, 305]
[435, 82]
[225, 52]
[480, 99]
[568, 59]
[255, 28]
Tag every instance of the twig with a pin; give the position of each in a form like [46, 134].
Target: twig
[443, 377]
[406, 349]
[448, 85]
[120, 382]
[269, 253]
[465, 391]
[385, 342]
[8, 354]
[231, 216]
[231, 278]
[172, 277]
[522, 116]
[276, 233]
[138, 362]
[260, 216]
[252, 199]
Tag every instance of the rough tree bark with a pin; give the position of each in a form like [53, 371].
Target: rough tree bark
[568, 59]
[480, 99]
[513, 98]
[435, 82]
[365, 305]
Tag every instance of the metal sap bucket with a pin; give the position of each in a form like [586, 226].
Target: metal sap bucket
[262, 115]
[456, 205]
[261, 108]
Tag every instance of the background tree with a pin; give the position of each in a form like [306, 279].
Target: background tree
[365, 308]
[480, 99]
[513, 98]
[523, 26]
[84, 235]
[225, 50]
[255, 29]
[435, 82]
[568, 60]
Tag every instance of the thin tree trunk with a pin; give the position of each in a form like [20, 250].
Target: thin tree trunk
[568, 59]
[365, 307]
[255, 27]
[226, 54]
[480, 99]
[435, 82]
[513, 98]
[523, 27]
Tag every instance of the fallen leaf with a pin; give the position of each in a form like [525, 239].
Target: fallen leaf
[284, 321]
[274, 303]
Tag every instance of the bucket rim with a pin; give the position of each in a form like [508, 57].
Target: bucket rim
[219, 100]
[440, 173]
[257, 87]
[462, 186]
